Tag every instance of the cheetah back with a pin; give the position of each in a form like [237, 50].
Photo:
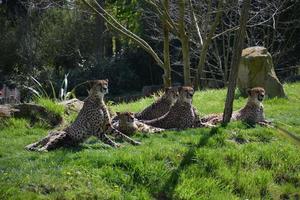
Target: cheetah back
[155, 110]
[91, 120]
[181, 116]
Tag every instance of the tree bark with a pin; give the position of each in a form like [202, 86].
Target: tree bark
[199, 83]
[167, 65]
[119, 28]
[238, 47]
[100, 51]
[184, 39]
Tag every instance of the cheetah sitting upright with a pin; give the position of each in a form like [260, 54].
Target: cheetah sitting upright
[181, 115]
[251, 113]
[92, 120]
[159, 107]
[128, 125]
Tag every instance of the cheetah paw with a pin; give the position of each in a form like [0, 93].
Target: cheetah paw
[136, 143]
[265, 123]
[117, 145]
[43, 149]
[30, 147]
[208, 125]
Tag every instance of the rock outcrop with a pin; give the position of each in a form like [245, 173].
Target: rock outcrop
[257, 70]
[31, 111]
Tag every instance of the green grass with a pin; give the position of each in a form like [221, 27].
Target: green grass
[190, 164]
[51, 105]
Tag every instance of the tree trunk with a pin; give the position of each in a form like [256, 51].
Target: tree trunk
[184, 39]
[200, 75]
[119, 28]
[238, 47]
[100, 39]
[167, 66]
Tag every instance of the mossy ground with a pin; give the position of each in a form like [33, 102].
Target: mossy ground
[233, 162]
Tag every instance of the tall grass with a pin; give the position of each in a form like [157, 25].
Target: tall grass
[51, 105]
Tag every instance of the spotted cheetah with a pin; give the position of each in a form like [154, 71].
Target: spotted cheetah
[251, 113]
[181, 115]
[129, 125]
[159, 107]
[92, 120]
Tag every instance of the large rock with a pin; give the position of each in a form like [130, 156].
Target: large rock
[72, 105]
[257, 69]
[30, 111]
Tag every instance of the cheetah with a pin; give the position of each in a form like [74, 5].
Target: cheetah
[92, 120]
[181, 115]
[160, 107]
[129, 125]
[251, 113]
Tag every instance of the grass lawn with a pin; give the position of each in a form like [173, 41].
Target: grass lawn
[190, 164]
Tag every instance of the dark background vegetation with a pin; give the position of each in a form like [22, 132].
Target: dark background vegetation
[48, 39]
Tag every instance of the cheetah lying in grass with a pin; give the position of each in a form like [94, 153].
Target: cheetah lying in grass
[128, 125]
[159, 107]
[251, 113]
[92, 120]
[181, 115]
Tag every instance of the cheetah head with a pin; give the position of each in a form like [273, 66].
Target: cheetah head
[99, 87]
[126, 118]
[256, 95]
[186, 94]
[171, 93]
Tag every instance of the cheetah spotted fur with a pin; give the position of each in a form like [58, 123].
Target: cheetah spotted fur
[92, 120]
[129, 125]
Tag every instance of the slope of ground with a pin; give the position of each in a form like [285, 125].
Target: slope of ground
[236, 162]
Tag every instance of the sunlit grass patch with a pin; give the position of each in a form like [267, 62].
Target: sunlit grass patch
[51, 105]
[233, 162]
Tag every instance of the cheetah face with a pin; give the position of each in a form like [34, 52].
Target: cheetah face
[186, 94]
[126, 117]
[99, 87]
[256, 94]
[172, 94]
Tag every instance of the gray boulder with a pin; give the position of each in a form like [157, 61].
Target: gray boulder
[257, 70]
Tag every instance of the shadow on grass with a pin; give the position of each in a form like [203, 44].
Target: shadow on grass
[85, 146]
[167, 190]
[78, 148]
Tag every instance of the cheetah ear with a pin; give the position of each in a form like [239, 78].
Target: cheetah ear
[91, 83]
[179, 88]
[249, 91]
[167, 89]
[118, 113]
[106, 80]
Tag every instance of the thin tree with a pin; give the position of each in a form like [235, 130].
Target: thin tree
[194, 24]
[166, 33]
[236, 57]
[119, 28]
[184, 39]
[176, 25]
[206, 43]
[100, 35]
